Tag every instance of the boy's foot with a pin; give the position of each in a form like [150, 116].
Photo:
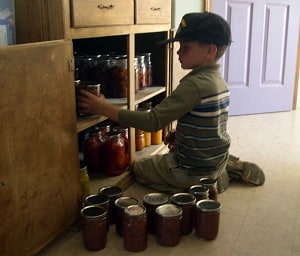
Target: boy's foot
[247, 172]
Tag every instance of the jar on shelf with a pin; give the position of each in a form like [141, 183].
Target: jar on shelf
[124, 134]
[136, 75]
[139, 140]
[146, 106]
[114, 154]
[142, 72]
[148, 64]
[100, 73]
[93, 149]
[118, 75]
[135, 228]
[84, 65]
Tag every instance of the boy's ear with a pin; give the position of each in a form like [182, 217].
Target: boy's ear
[212, 50]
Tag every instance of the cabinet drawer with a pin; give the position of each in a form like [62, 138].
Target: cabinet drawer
[88, 13]
[152, 11]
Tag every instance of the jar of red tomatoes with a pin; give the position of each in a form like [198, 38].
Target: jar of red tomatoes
[93, 147]
[114, 154]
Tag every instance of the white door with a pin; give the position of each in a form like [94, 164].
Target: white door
[260, 66]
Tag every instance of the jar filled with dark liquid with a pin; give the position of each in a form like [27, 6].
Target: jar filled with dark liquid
[212, 187]
[135, 228]
[114, 154]
[94, 227]
[187, 203]
[207, 219]
[199, 191]
[142, 72]
[124, 134]
[118, 77]
[113, 193]
[168, 227]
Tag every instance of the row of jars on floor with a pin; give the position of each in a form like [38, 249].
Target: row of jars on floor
[110, 70]
[166, 217]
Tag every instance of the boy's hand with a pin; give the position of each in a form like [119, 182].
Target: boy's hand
[170, 140]
[88, 103]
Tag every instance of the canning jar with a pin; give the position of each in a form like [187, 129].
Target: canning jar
[187, 203]
[85, 181]
[114, 154]
[93, 150]
[120, 204]
[212, 187]
[148, 64]
[94, 227]
[168, 231]
[124, 135]
[199, 191]
[113, 193]
[118, 75]
[97, 199]
[151, 201]
[135, 228]
[207, 219]
[142, 72]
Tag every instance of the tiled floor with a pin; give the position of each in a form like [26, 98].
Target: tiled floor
[254, 220]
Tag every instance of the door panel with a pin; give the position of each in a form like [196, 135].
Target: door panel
[260, 65]
[39, 175]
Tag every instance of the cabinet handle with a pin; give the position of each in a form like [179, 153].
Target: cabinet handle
[155, 8]
[101, 6]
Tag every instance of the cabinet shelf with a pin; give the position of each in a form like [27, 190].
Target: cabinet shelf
[142, 95]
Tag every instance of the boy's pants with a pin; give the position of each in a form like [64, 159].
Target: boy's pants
[161, 172]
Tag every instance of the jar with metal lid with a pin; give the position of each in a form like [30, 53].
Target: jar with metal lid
[148, 64]
[142, 72]
[187, 203]
[124, 134]
[85, 181]
[207, 219]
[146, 106]
[84, 65]
[199, 191]
[94, 227]
[100, 73]
[136, 75]
[168, 229]
[139, 141]
[151, 201]
[135, 228]
[114, 154]
[156, 137]
[93, 146]
[120, 204]
[113, 193]
[118, 74]
[97, 199]
[212, 187]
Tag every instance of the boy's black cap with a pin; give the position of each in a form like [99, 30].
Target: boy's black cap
[206, 27]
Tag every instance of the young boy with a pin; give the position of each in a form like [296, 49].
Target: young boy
[200, 145]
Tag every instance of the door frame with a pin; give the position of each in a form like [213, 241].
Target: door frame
[208, 7]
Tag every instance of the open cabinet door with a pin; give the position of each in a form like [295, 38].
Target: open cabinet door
[39, 171]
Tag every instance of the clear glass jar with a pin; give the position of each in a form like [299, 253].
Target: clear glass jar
[212, 187]
[124, 134]
[118, 75]
[85, 181]
[114, 154]
[136, 75]
[148, 64]
[142, 72]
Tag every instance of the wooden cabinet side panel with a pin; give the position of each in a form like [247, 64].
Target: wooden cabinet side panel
[39, 173]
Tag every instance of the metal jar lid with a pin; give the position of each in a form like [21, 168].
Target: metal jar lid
[112, 191]
[183, 199]
[125, 201]
[135, 210]
[93, 212]
[208, 205]
[208, 182]
[169, 210]
[198, 189]
[96, 199]
[156, 198]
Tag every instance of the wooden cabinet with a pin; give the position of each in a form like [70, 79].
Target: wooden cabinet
[40, 177]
